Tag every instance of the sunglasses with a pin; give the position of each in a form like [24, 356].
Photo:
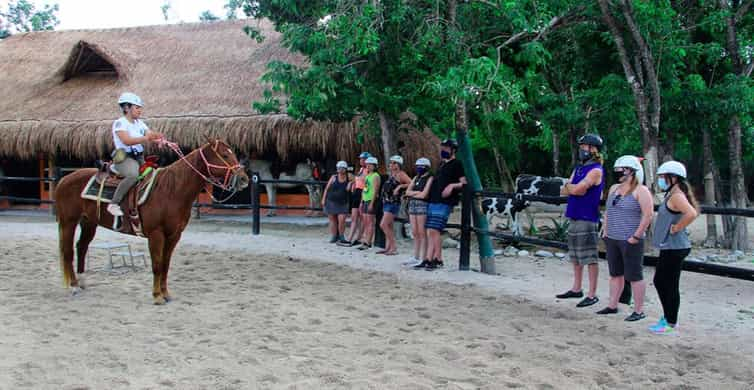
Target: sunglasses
[616, 199]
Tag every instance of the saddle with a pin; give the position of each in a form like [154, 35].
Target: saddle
[101, 188]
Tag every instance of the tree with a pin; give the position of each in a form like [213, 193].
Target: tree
[208, 16]
[165, 8]
[22, 16]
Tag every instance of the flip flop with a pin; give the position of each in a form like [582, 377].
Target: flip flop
[391, 253]
[381, 252]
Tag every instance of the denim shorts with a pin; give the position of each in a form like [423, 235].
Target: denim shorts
[437, 216]
[392, 208]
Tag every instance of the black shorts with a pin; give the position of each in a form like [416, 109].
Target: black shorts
[356, 199]
[625, 259]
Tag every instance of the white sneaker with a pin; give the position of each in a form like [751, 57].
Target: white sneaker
[412, 261]
[115, 210]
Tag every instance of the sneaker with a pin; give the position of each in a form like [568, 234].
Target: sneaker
[570, 294]
[434, 264]
[423, 264]
[115, 210]
[660, 324]
[636, 317]
[333, 239]
[588, 301]
[364, 247]
[412, 261]
[666, 330]
[343, 242]
[608, 310]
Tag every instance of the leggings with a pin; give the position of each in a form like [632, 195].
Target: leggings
[666, 280]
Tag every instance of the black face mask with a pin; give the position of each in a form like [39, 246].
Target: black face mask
[617, 176]
[584, 155]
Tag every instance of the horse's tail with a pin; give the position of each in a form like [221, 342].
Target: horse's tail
[65, 270]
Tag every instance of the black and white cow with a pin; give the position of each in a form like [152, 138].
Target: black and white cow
[511, 207]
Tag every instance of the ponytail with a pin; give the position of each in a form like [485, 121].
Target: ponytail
[685, 187]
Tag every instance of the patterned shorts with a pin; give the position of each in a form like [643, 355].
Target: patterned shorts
[437, 216]
[582, 242]
[417, 207]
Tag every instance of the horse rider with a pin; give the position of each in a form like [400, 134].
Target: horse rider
[129, 133]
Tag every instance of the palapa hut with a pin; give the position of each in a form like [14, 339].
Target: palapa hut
[59, 90]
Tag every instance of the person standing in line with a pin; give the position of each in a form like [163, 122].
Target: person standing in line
[443, 197]
[676, 212]
[584, 190]
[418, 193]
[629, 213]
[356, 188]
[335, 202]
[392, 192]
[368, 199]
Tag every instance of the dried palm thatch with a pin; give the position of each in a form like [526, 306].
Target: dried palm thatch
[197, 80]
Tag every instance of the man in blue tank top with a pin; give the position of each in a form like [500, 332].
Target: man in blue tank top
[584, 190]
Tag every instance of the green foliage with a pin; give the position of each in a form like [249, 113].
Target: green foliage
[558, 231]
[23, 16]
[208, 16]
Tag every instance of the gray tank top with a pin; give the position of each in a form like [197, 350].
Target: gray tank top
[662, 239]
[623, 216]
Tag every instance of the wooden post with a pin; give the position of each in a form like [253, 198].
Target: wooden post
[709, 198]
[51, 174]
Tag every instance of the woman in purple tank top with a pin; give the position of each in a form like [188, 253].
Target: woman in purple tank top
[584, 191]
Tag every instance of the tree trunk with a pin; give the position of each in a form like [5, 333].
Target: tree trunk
[573, 138]
[388, 136]
[486, 254]
[709, 189]
[737, 186]
[555, 153]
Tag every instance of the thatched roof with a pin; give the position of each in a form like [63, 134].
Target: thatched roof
[59, 91]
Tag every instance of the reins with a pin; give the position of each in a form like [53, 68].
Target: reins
[229, 181]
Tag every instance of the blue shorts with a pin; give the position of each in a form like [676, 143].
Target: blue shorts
[392, 208]
[437, 216]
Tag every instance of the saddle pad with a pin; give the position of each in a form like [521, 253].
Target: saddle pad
[91, 190]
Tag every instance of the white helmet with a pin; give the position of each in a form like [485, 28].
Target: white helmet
[424, 162]
[631, 162]
[132, 98]
[341, 164]
[672, 168]
[397, 159]
[372, 160]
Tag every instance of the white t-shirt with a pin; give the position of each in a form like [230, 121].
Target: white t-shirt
[136, 129]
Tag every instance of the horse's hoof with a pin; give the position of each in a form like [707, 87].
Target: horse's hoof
[159, 300]
[75, 290]
[167, 298]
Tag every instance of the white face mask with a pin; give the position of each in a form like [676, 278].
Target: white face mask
[663, 184]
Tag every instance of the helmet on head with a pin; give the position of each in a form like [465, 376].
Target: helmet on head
[341, 164]
[372, 160]
[365, 155]
[592, 140]
[672, 168]
[424, 162]
[130, 98]
[631, 162]
[451, 143]
[397, 159]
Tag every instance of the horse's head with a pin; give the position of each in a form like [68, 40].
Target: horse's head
[223, 166]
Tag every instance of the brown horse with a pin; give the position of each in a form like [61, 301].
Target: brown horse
[164, 215]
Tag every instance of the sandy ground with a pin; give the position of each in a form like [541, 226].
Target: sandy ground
[286, 310]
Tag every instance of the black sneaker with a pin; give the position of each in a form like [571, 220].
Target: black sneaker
[343, 242]
[423, 264]
[588, 302]
[608, 310]
[333, 239]
[635, 317]
[570, 294]
[434, 264]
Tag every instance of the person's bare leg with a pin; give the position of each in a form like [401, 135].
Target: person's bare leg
[594, 272]
[639, 289]
[616, 289]
[578, 274]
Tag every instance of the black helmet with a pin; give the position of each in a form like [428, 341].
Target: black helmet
[451, 143]
[591, 139]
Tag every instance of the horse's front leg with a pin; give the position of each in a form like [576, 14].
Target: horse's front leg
[271, 195]
[156, 249]
[167, 254]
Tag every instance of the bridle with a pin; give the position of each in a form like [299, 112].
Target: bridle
[229, 179]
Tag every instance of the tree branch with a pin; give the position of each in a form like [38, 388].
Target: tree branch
[743, 9]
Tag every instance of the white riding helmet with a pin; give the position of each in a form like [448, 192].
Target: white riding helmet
[341, 164]
[631, 162]
[397, 159]
[372, 160]
[424, 162]
[132, 98]
[672, 168]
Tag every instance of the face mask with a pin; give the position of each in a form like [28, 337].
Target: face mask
[421, 170]
[584, 155]
[362, 163]
[663, 184]
[445, 154]
[618, 176]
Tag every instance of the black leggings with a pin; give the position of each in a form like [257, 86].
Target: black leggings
[667, 278]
